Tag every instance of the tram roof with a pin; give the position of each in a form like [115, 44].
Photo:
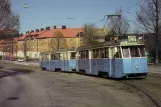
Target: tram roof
[124, 42]
[60, 50]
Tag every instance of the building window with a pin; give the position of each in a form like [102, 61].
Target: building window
[70, 40]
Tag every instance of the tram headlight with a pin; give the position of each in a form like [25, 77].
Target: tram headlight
[137, 67]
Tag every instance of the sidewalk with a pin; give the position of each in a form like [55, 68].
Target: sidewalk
[154, 64]
[35, 64]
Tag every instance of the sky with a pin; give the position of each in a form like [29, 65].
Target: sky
[43, 13]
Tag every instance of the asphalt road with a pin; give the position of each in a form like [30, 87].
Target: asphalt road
[55, 89]
[155, 69]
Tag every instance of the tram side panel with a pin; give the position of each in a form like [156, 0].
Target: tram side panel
[94, 67]
[130, 66]
[84, 66]
[135, 66]
[56, 64]
[118, 68]
[72, 65]
[139, 65]
[44, 64]
[100, 65]
[63, 65]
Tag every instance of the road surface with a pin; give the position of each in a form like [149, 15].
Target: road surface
[55, 89]
[155, 69]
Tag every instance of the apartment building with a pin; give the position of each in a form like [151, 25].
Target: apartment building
[40, 40]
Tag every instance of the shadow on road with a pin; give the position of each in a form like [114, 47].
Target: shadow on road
[13, 98]
[20, 70]
[14, 71]
[112, 78]
[1, 67]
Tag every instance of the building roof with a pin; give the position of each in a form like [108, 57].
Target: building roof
[68, 32]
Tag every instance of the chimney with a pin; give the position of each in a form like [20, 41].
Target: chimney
[63, 27]
[32, 31]
[37, 30]
[47, 28]
[42, 29]
[54, 27]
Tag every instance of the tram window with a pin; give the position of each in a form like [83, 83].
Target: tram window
[93, 53]
[118, 53]
[134, 51]
[125, 51]
[98, 53]
[45, 57]
[56, 56]
[61, 56]
[86, 54]
[82, 55]
[142, 51]
[79, 55]
[102, 53]
[72, 55]
[52, 57]
[42, 57]
[106, 53]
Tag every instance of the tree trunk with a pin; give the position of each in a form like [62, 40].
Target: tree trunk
[157, 31]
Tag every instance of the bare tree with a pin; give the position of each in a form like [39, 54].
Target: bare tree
[118, 24]
[9, 21]
[90, 35]
[52, 44]
[59, 41]
[149, 19]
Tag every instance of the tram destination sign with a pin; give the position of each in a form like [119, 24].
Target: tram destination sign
[129, 43]
[131, 38]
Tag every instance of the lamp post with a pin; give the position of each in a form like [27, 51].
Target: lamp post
[70, 18]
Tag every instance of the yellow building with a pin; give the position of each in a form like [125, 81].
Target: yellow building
[34, 42]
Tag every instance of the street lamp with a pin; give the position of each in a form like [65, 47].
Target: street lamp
[70, 18]
[25, 6]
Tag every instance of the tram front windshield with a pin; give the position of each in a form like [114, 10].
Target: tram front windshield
[133, 51]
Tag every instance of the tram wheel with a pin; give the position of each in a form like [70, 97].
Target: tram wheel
[43, 69]
[103, 74]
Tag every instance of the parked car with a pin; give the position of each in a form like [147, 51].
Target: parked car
[20, 60]
[12, 59]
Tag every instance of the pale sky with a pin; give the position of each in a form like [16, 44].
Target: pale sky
[43, 13]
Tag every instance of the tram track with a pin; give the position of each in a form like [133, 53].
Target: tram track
[155, 102]
[154, 76]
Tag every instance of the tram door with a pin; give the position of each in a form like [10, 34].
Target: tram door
[63, 61]
[112, 54]
[47, 62]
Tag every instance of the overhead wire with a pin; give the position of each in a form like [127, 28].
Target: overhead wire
[127, 10]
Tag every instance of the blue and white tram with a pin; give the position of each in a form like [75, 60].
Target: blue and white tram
[125, 58]
[61, 60]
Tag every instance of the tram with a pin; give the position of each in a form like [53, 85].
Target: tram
[61, 60]
[124, 58]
